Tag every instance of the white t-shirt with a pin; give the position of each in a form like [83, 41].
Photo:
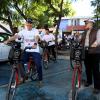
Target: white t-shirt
[87, 39]
[49, 37]
[29, 39]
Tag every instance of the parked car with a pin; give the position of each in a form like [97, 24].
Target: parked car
[4, 49]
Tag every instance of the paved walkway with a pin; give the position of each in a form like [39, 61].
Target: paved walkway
[56, 85]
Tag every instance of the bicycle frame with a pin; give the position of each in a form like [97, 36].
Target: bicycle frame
[13, 82]
[76, 79]
[77, 69]
[45, 54]
[32, 71]
[45, 58]
[14, 79]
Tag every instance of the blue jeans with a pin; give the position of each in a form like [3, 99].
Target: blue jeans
[36, 58]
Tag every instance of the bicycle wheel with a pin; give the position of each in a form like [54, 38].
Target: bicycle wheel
[12, 85]
[75, 84]
[33, 72]
[45, 64]
[45, 59]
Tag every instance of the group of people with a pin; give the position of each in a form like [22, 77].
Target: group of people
[90, 40]
[30, 37]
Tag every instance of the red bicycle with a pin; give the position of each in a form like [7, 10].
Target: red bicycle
[15, 74]
[77, 70]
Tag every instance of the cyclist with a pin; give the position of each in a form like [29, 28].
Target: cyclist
[50, 39]
[30, 38]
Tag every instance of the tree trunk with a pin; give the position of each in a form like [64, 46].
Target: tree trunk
[58, 24]
[57, 29]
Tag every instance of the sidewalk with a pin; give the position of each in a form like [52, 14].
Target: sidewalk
[56, 85]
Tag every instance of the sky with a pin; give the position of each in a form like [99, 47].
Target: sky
[83, 8]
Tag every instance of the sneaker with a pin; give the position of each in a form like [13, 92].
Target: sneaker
[96, 91]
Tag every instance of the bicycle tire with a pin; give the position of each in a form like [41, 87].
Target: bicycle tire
[45, 64]
[75, 84]
[33, 72]
[12, 86]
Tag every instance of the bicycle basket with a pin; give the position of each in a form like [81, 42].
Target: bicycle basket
[77, 52]
[15, 51]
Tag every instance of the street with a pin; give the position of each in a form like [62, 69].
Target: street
[56, 84]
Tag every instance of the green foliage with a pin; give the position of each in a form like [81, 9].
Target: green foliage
[41, 11]
[96, 4]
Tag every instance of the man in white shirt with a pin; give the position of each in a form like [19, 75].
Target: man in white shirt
[30, 38]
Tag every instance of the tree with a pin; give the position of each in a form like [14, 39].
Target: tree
[42, 11]
[59, 9]
[5, 12]
[96, 4]
[13, 12]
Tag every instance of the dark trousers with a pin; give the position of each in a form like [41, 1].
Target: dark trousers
[51, 49]
[36, 58]
[92, 69]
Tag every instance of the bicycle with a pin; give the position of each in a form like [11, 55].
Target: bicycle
[14, 78]
[45, 55]
[14, 55]
[77, 69]
[32, 70]
[72, 49]
[73, 44]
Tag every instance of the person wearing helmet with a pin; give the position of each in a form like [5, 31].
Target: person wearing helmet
[91, 43]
